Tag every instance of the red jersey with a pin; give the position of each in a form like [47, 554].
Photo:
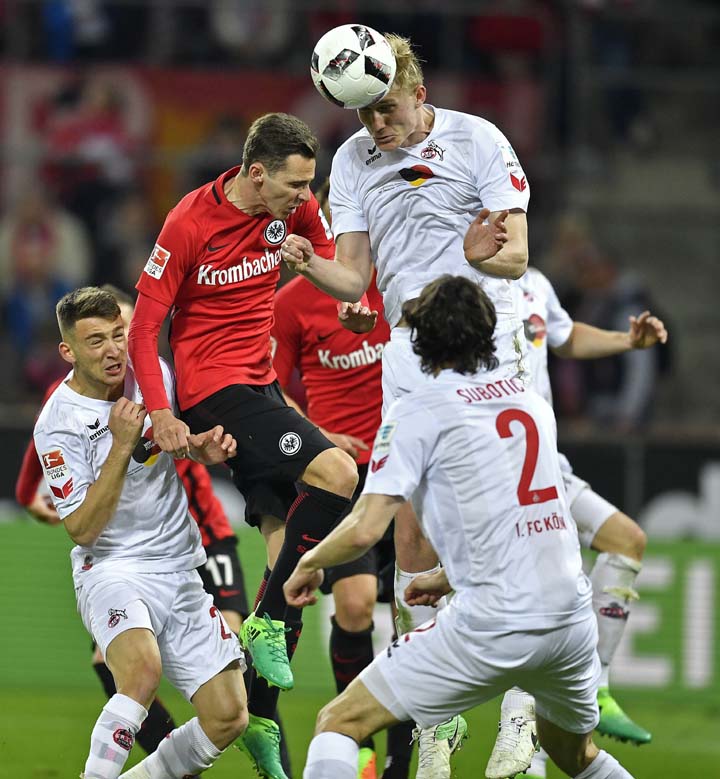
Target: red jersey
[219, 267]
[203, 502]
[204, 505]
[341, 371]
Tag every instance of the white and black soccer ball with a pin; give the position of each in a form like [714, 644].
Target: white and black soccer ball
[352, 66]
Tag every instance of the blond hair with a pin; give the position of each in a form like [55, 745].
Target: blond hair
[408, 75]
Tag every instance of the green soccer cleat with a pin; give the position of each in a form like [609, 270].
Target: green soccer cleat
[616, 724]
[261, 743]
[436, 744]
[367, 764]
[264, 638]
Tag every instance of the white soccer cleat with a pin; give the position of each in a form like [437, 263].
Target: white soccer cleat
[436, 744]
[514, 746]
[136, 772]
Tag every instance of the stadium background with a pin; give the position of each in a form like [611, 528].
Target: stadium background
[109, 111]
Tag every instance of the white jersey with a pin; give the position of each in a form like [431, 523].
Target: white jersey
[479, 461]
[151, 530]
[416, 203]
[546, 323]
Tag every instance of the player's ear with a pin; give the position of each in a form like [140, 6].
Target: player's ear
[256, 172]
[420, 95]
[66, 352]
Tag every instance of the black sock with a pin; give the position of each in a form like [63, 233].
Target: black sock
[158, 722]
[284, 754]
[262, 587]
[106, 679]
[350, 652]
[310, 518]
[399, 751]
[262, 701]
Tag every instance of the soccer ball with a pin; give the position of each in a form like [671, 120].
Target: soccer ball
[352, 66]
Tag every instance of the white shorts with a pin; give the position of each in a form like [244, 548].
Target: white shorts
[401, 371]
[195, 643]
[445, 667]
[589, 510]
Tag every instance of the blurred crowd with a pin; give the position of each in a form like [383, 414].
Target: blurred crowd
[89, 202]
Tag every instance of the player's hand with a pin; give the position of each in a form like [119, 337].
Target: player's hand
[42, 508]
[213, 446]
[300, 587]
[296, 252]
[169, 433]
[348, 443]
[483, 241]
[427, 589]
[646, 330]
[126, 423]
[356, 317]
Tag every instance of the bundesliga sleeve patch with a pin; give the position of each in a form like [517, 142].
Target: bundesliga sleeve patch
[57, 474]
[383, 438]
[157, 261]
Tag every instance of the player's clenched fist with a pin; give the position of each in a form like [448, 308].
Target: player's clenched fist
[126, 422]
[170, 433]
[297, 252]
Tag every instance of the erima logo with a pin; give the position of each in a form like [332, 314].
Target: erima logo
[212, 277]
[366, 356]
[98, 433]
[95, 424]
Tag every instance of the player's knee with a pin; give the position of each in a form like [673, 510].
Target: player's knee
[141, 679]
[335, 717]
[333, 470]
[354, 613]
[228, 722]
[637, 541]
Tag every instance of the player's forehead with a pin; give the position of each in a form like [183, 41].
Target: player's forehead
[94, 326]
[397, 96]
[296, 168]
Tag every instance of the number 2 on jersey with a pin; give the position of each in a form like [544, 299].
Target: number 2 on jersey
[526, 494]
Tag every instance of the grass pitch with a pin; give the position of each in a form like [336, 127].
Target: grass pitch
[50, 697]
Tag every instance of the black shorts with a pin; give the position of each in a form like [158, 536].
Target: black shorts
[378, 561]
[275, 444]
[222, 576]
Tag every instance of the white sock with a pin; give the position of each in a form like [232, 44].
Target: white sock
[516, 699]
[411, 617]
[113, 736]
[604, 766]
[332, 756]
[186, 751]
[538, 766]
[612, 577]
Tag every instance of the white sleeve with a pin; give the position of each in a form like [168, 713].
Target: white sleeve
[345, 209]
[559, 324]
[501, 181]
[402, 451]
[66, 464]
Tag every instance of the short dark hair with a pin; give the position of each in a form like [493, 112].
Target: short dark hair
[122, 297]
[272, 138]
[84, 303]
[452, 324]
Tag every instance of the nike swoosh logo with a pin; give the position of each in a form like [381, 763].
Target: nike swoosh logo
[310, 539]
[228, 593]
[212, 248]
[324, 337]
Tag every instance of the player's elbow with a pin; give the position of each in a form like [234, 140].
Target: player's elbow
[517, 264]
[82, 536]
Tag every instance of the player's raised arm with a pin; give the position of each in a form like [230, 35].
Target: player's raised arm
[346, 277]
[88, 521]
[497, 243]
[589, 343]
